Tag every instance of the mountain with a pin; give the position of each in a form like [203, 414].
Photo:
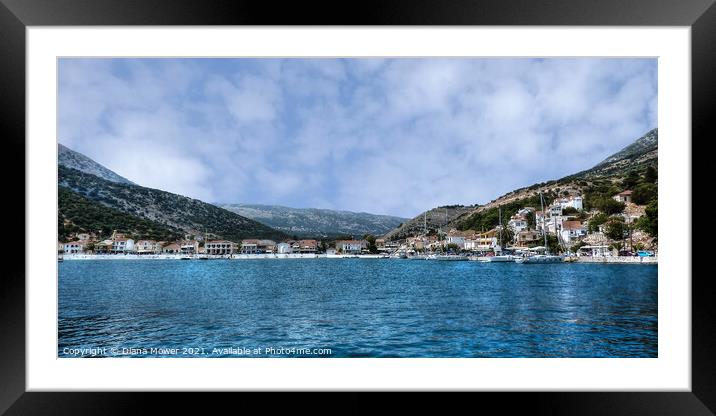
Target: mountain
[316, 222]
[77, 214]
[164, 212]
[600, 181]
[638, 154]
[432, 220]
[70, 159]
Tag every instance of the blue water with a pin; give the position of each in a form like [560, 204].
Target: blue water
[355, 308]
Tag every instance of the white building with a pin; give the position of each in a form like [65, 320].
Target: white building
[456, 239]
[249, 246]
[147, 247]
[189, 247]
[122, 245]
[571, 202]
[73, 247]
[284, 248]
[350, 246]
[623, 197]
[572, 231]
[517, 223]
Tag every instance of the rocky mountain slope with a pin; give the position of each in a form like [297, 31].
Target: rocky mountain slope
[170, 210]
[433, 220]
[70, 159]
[316, 222]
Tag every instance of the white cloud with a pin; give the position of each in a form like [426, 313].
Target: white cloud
[391, 136]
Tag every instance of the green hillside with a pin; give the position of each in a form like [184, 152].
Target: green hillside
[80, 215]
[167, 209]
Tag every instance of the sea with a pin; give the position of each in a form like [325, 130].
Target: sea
[332, 308]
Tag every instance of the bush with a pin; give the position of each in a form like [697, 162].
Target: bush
[644, 193]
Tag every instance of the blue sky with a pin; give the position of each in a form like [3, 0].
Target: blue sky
[387, 136]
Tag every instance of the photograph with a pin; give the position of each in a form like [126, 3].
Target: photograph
[392, 207]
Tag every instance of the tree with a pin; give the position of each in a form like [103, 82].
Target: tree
[644, 193]
[531, 221]
[370, 238]
[453, 247]
[631, 179]
[596, 221]
[569, 211]
[609, 206]
[650, 176]
[615, 229]
[649, 221]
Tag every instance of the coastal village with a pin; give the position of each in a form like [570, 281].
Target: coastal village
[564, 225]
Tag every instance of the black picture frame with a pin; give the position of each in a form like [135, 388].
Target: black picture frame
[16, 15]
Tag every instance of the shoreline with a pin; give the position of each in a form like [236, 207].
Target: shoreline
[289, 256]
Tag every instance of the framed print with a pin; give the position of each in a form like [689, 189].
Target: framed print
[420, 198]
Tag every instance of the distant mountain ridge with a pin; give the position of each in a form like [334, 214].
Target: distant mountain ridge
[70, 159]
[315, 221]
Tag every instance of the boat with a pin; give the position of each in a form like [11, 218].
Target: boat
[185, 258]
[540, 258]
[449, 257]
[497, 259]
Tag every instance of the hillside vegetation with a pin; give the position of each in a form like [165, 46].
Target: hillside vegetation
[80, 215]
[170, 210]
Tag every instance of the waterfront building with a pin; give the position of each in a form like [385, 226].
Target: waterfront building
[458, 237]
[305, 246]
[380, 244]
[284, 248]
[103, 247]
[266, 246]
[482, 241]
[147, 247]
[572, 231]
[351, 246]
[219, 247]
[74, 247]
[172, 248]
[249, 246]
[189, 246]
[122, 245]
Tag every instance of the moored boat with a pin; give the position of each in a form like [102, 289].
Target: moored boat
[540, 258]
